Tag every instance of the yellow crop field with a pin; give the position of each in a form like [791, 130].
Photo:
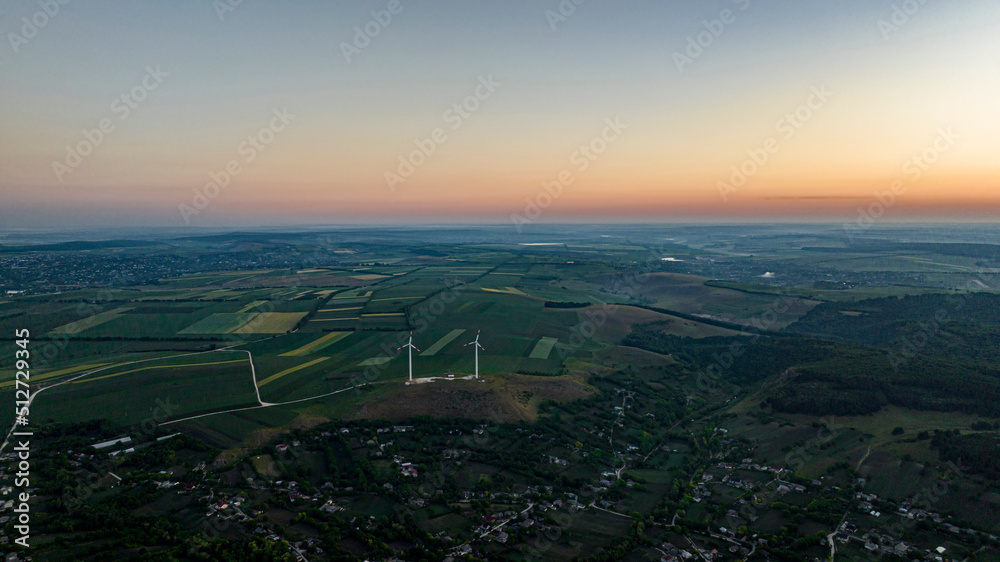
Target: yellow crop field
[250, 306]
[91, 321]
[317, 344]
[53, 374]
[277, 376]
[271, 323]
[505, 290]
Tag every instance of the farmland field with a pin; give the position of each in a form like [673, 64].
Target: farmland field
[127, 394]
[543, 348]
[607, 373]
[90, 321]
[219, 323]
[278, 375]
[443, 341]
[270, 323]
[318, 344]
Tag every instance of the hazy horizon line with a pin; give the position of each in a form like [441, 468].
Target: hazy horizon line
[499, 224]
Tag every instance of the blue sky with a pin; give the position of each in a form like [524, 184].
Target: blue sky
[894, 88]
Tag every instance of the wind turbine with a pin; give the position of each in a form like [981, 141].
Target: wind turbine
[410, 353]
[476, 347]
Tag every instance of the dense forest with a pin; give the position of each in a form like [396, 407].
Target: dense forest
[976, 452]
[558, 304]
[830, 378]
[955, 325]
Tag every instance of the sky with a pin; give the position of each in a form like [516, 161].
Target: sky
[228, 113]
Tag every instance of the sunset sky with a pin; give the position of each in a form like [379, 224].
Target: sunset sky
[904, 100]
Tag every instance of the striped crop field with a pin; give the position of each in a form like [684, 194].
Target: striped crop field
[271, 323]
[291, 370]
[445, 340]
[219, 323]
[91, 321]
[505, 290]
[250, 306]
[375, 361]
[317, 344]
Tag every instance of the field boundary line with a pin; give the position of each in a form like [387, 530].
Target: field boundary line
[269, 404]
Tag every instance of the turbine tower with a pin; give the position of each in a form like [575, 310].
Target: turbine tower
[410, 353]
[476, 347]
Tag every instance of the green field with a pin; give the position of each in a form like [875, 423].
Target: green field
[280, 374]
[543, 348]
[317, 344]
[128, 394]
[91, 321]
[219, 323]
[270, 323]
[443, 341]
